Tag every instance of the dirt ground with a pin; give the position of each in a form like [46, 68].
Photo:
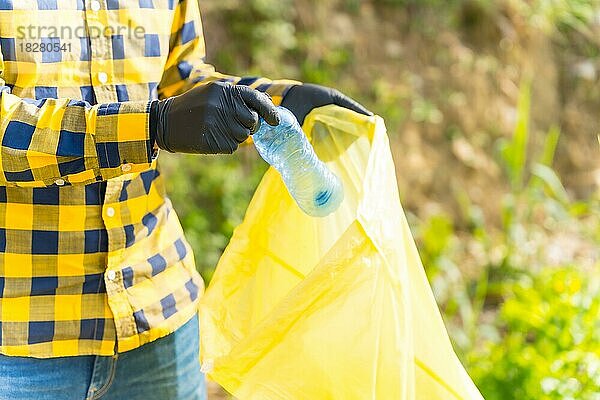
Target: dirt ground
[215, 392]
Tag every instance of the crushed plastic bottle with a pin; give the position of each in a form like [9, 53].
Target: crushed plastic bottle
[316, 190]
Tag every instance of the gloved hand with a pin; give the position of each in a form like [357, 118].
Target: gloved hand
[209, 119]
[301, 99]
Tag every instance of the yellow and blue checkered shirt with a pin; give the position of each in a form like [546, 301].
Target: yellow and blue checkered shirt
[93, 259]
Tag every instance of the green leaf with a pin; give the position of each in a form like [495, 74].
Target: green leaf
[551, 181]
[550, 142]
[514, 152]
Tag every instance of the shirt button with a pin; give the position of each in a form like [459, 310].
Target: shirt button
[95, 5]
[111, 275]
[126, 167]
[102, 77]
[59, 182]
[110, 212]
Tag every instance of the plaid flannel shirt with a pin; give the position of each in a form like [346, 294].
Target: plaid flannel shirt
[93, 259]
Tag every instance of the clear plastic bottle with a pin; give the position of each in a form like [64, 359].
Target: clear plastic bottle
[317, 190]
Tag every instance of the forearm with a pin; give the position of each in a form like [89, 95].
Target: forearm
[68, 141]
[203, 73]
[186, 68]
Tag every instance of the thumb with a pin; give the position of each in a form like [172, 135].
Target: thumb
[261, 103]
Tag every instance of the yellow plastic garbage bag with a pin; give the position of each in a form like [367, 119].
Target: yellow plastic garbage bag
[329, 308]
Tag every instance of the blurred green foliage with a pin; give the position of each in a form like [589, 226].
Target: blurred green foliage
[540, 325]
[519, 293]
[550, 342]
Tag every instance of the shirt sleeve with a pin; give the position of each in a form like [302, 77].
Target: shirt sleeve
[185, 66]
[67, 141]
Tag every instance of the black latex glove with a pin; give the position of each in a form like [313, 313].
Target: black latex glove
[301, 99]
[209, 119]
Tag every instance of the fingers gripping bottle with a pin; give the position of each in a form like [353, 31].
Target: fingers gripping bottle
[317, 190]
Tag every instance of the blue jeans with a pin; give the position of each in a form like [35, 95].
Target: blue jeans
[166, 369]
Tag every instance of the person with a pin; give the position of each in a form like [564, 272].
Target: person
[98, 287]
